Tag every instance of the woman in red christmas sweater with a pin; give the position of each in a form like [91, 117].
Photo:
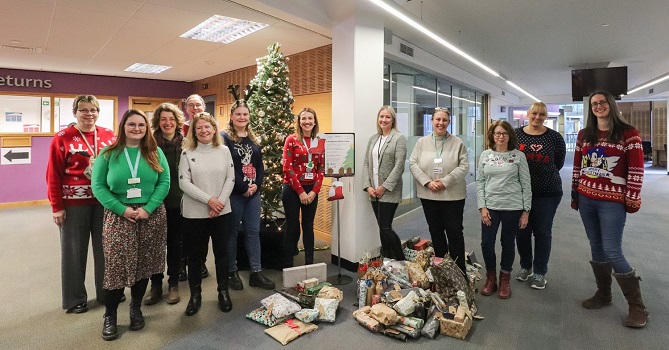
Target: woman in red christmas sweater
[303, 167]
[606, 185]
[76, 212]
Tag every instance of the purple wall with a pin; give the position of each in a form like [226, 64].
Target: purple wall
[27, 182]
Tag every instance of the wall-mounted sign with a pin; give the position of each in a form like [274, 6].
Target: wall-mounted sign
[15, 155]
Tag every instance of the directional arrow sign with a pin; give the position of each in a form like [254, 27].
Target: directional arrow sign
[15, 155]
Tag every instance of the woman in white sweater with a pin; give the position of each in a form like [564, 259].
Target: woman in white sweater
[439, 163]
[206, 176]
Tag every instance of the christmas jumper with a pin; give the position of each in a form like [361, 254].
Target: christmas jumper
[110, 181]
[69, 156]
[295, 161]
[610, 171]
[503, 181]
[545, 155]
[205, 172]
[249, 169]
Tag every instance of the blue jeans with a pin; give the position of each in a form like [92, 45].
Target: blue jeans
[509, 220]
[246, 212]
[604, 222]
[540, 226]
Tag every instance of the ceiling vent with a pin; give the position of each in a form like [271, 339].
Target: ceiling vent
[37, 50]
[407, 50]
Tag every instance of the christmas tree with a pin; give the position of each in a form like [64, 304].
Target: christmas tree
[271, 121]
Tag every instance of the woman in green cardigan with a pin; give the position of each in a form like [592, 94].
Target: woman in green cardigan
[131, 180]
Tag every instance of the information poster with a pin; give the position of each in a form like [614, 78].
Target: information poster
[339, 154]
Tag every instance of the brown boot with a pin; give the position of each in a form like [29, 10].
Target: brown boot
[504, 285]
[629, 284]
[490, 283]
[173, 296]
[603, 278]
[155, 295]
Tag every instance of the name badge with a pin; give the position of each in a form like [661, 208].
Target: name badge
[134, 192]
[437, 160]
[437, 170]
[133, 181]
[308, 176]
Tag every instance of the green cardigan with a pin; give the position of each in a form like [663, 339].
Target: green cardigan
[110, 181]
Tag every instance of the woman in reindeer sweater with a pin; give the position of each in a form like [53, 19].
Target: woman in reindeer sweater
[606, 185]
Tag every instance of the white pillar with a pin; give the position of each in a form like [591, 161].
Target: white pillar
[357, 95]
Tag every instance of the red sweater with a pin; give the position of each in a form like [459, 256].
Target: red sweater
[610, 172]
[68, 158]
[295, 160]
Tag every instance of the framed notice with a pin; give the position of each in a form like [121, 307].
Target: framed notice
[339, 154]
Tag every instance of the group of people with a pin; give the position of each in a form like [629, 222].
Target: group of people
[134, 194]
[519, 188]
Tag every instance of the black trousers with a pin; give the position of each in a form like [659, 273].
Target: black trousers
[174, 248]
[197, 240]
[292, 206]
[446, 216]
[390, 242]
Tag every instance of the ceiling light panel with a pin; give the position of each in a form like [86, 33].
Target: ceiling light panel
[221, 29]
[147, 68]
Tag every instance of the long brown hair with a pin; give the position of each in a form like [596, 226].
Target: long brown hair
[230, 130]
[617, 124]
[147, 145]
[298, 127]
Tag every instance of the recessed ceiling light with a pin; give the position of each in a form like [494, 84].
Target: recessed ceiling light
[605, 25]
[147, 68]
[209, 62]
[221, 29]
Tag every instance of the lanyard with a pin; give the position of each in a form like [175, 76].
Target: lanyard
[311, 145]
[95, 141]
[442, 145]
[133, 170]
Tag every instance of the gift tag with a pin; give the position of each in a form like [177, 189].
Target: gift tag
[134, 192]
[308, 176]
[133, 181]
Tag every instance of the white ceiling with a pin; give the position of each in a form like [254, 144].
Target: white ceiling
[532, 42]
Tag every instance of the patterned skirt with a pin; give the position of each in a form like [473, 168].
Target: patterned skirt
[133, 251]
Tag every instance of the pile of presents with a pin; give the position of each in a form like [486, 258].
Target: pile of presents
[306, 298]
[422, 296]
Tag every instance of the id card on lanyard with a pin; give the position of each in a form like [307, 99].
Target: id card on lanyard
[437, 168]
[133, 192]
[309, 175]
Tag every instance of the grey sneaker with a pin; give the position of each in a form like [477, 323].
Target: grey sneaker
[524, 274]
[538, 282]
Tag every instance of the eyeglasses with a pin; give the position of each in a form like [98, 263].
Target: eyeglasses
[501, 134]
[86, 111]
[601, 103]
[133, 125]
[193, 105]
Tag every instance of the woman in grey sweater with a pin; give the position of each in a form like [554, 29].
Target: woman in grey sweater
[439, 163]
[384, 164]
[504, 193]
[207, 177]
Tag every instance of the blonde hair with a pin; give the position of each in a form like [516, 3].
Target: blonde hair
[191, 139]
[390, 110]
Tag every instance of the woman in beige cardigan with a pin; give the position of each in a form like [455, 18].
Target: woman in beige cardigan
[384, 165]
[439, 164]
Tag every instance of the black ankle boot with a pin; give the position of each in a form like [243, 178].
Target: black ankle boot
[136, 317]
[195, 301]
[235, 281]
[109, 330]
[258, 279]
[224, 302]
[205, 271]
[183, 275]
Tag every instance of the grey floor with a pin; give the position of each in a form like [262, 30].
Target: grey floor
[31, 318]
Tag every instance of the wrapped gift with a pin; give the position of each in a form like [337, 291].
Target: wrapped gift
[408, 330]
[315, 289]
[409, 254]
[329, 292]
[262, 316]
[437, 260]
[406, 305]
[448, 280]
[307, 315]
[411, 321]
[308, 283]
[424, 257]
[417, 274]
[455, 329]
[365, 320]
[421, 245]
[431, 327]
[280, 306]
[389, 332]
[290, 330]
[327, 309]
[384, 314]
